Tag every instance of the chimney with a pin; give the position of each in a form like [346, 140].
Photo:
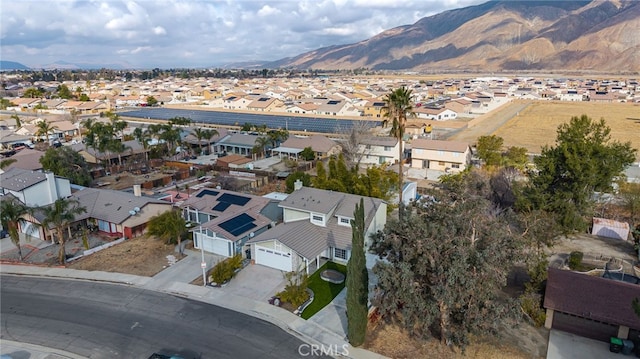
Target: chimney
[137, 190]
[297, 185]
[51, 185]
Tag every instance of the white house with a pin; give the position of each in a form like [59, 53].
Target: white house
[316, 224]
[436, 114]
[34, 188]
[379, 150]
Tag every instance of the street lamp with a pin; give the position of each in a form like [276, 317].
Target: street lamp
[203, 264]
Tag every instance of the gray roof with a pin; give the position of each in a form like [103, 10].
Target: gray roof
[380, 141]
[18, 179]
[240, 139]
[313, 200]
[308, 239]
[318, 143]
[108, 205]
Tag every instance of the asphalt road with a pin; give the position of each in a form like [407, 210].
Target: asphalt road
[99, 320]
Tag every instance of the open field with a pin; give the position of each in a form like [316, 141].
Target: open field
[536, 125]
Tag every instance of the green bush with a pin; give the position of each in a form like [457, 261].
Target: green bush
[575, 260]
[530, 303]
[226, 269]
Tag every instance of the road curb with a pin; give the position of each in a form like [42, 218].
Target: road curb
[9, 346]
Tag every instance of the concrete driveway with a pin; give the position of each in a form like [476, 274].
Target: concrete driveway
[334, 315]
[256, 282]
[564, 345]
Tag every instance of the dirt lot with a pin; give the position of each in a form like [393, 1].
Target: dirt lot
[143, 256]
[536, 125]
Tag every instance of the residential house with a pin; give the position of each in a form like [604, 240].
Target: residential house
[225, 220]
[238, 143]
[132, 149]
[234, 161]
[316, 225]
[26, 159]
[34, 188]
[436, 114]
[374, 109]
[264, 104]
[589, 306]
[322, 146]
[379, 150]
[303, 108]
[440, 155]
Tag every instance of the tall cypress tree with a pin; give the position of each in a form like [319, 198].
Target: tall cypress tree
[357, 281]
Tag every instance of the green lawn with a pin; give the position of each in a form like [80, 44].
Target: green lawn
[323, 291]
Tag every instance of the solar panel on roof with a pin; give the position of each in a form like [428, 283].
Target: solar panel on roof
[207, 192]
[238, 224]
[221, 206]
[333, 102]
[234, 199]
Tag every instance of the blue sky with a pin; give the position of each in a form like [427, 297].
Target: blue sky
[194, 33]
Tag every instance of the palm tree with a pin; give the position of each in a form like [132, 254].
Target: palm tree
[12, 213]
[58, 216]
[199, 133]
[88, 125]
[261, 144]
[17, 118]
[208, 134]
[398, 106]
[143, 136]
[44, 129]
[168, 226]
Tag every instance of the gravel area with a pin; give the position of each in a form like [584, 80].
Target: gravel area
[48, 254]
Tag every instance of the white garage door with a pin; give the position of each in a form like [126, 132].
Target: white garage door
[273, 258]
[29, 229]
[217, 246]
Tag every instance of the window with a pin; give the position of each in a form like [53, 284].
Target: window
[345, 221]
[455, 165]
[387, 148]
[317, 218]
[441, 163]
[340, 253]
[368, 147]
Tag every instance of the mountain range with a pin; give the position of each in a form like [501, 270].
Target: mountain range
[598, 35]
[588, 36]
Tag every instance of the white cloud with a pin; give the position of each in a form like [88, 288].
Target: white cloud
[174, 33]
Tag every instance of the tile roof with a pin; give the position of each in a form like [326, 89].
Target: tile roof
[108, 205]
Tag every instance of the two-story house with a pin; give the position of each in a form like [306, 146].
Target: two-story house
[316, 225]
[440, 155]
[379, 150]
[225, 220]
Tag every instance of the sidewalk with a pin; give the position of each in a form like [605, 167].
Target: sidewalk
[24, 350]
[308, 331]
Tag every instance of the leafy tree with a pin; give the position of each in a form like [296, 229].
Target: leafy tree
[64, 92]
[180, 121]
[298, 175]
[446, 262]
[33, 92]
[516, 157]
[630, 195]
[66, 162]
[308, 154]
[357, 281]
[12, 213]
[246, 127]
[277, 136]
[84, 97]
[168, 226]
[489, 149]
[59, 215]
[151, 101]
[583, 160]
[398, 106]
[4, 103]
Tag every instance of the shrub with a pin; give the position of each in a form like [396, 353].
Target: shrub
[530, 303]
[226, 269]
[575, 260]
[295, 292]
